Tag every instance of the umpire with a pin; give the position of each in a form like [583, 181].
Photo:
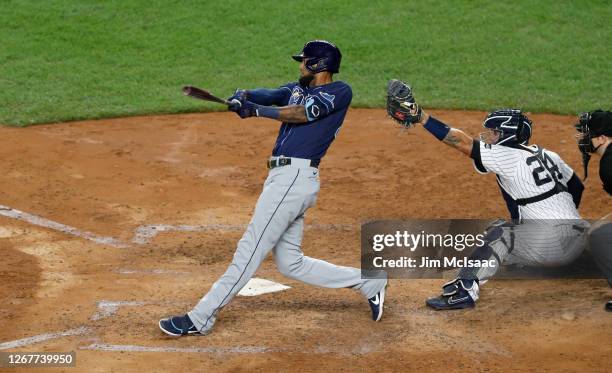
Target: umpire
[595, 136]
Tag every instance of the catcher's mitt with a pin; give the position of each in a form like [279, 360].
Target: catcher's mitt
[401, 105]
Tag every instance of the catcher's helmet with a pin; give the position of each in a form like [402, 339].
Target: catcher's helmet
[322, 56]
[513, 126]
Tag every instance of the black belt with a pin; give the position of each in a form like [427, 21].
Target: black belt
[279, 162]
[559, 188]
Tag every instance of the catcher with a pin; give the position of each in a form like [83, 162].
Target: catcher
[536, 184]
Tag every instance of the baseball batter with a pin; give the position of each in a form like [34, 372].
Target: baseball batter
[535, 183]
[312, 111]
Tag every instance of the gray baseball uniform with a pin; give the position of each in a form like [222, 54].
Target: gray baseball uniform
[289, 191]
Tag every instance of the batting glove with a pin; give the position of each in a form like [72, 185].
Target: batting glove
[247, 109]
[240, 95]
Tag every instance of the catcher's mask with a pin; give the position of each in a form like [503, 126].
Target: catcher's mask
[321, 56]
[590, 125]
[513, 127]
[584, 133]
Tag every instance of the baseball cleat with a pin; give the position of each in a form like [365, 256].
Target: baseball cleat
[177, 326]
[377, 304]
[457, 294]
[609, 306]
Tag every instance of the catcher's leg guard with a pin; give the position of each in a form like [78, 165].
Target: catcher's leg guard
[499, 242]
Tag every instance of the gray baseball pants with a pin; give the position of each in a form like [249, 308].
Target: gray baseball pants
[277, 224]
[601, 246]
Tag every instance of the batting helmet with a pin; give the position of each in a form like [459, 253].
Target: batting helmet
[322, 56]
[513, 126]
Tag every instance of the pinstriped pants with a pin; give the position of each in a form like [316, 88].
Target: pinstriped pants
[545, 243]
[277, 224]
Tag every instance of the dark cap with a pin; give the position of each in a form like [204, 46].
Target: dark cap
[600, 123]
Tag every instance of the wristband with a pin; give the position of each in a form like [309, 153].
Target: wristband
[437, 128]
[267, 111]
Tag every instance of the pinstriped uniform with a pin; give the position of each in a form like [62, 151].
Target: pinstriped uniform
[519, 177]
[551, 232]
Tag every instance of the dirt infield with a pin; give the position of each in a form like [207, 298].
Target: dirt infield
[109, 225]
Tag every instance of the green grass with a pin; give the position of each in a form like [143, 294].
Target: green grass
[68, 60]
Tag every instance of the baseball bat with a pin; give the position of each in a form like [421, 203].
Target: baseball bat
[202, 94]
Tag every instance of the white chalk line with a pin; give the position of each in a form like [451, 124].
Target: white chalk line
[358, 350]
[46, 223]
[126, 271]
[144, 234]
[43, 337]
[105, 309]
[214, 350]
[108, 308]
[139, 348]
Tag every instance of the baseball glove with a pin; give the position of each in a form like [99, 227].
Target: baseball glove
[401, 105]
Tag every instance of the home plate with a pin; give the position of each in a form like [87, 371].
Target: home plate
[258, 286]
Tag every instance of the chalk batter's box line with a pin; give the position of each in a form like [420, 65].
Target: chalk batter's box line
[144, 233]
